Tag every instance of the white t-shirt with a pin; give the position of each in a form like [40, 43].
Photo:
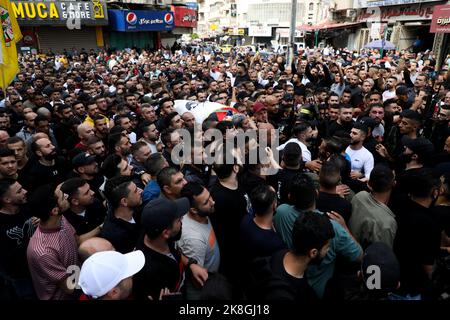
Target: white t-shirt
[362, 160]
[306, 154]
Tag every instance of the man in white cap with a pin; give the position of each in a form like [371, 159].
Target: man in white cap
[107, 275]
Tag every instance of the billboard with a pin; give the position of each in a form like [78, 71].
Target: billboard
[441, 19]
[140, 20]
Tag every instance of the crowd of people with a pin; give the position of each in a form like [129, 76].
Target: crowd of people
[93, 204]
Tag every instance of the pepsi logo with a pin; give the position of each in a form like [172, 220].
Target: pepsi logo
[168, 18]
[131, 18]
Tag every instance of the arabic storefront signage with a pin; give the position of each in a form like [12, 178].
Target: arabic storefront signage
[400, 13]
[185, 17]
[57, 13]
[140, 20]
[383, 3]
[260, 31]
[441, 19]
[236, 31]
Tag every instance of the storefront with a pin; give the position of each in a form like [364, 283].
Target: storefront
[440, 26]
[407, 25]
[185, 20]
[138, 28]
[60, 25]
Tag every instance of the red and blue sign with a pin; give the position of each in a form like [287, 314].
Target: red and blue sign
[140, 20]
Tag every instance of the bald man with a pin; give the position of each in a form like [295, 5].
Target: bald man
[85, 131]
[4, 136]
[95, 244]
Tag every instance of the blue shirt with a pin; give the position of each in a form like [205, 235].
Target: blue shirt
[342, 244]
[151, 191]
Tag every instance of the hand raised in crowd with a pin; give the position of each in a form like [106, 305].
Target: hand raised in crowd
[382, 150]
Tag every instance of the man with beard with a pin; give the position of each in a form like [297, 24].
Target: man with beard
[53, 246]
[362, 161]
[242, 74]
[101, 128]
[84, 131]
[46, 166]
[28, 129]
[164, 264]
[121, 227]
[86, 214]
[120, 145]
[150, 135]
[344, 122]
[85, 166]
[62, 129]
[441, 129]
[312, 234]
[389, 93]
[376, 112]
[125, 122]
[303, 195]
[8, 164]
[96, 147]
[16, 228]
[198, 240]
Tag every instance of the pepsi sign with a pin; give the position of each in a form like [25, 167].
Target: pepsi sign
[141, 20]
[131, 18]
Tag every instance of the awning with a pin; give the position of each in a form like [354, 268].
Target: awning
[327, 25]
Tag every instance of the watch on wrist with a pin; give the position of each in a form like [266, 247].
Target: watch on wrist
[191, 261]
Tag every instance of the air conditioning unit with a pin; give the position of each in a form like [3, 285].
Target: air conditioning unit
[350, 13]
[160, 2]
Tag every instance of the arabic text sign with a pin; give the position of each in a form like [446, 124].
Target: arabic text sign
[441, 19]
[185, 17]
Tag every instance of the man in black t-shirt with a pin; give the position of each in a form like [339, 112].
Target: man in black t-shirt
[47, 167]
[292, 160]
[283, 276]
[86, 213]
[121, 227]
[231, 206]
[16, 228]
[418, 238]
[328, 199]
[165, 265]
[344, 122]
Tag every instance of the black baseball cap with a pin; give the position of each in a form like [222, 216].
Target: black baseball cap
[368, 122]
[420, 146]
[159, 214]
[83, 159]
[380, 255]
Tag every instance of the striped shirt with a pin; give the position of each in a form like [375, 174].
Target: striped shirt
[50, 253]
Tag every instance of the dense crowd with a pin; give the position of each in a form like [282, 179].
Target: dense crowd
[355, 206]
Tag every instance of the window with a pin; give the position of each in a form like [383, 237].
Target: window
[311, 6]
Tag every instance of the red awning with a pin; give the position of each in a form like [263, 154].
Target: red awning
[326, 25]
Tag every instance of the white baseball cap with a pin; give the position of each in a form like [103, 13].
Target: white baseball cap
[104, 270]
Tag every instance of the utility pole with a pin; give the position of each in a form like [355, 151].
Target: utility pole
[290, 53]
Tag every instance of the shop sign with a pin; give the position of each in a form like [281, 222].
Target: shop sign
[236, 31]
[59, 12]
[383, 3]
[140, 20]
[185, 17]
[441, 19]
[399, 13]
[260, 31]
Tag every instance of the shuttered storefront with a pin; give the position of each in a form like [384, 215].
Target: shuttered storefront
[59, 38]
